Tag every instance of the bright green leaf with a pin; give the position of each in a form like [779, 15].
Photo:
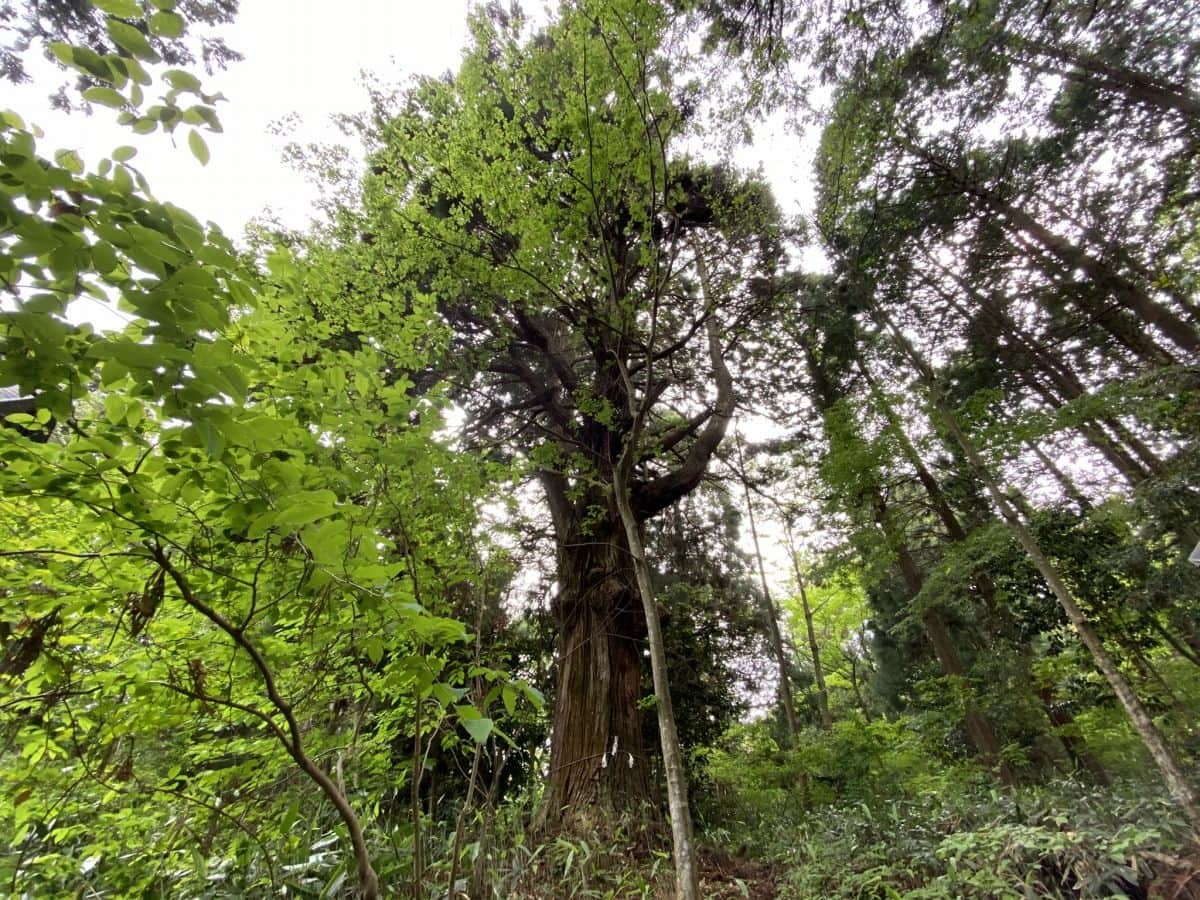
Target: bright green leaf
[69, 160]
[106, 96]
[181, 80]
[479, 729]
[126, 9]
[198, 147]
[166, 24]
[130, 40]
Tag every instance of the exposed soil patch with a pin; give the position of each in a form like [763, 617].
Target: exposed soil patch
[726, 876]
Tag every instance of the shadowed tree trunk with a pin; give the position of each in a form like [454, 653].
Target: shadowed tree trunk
[979, 729]
[598, 764]
[1064, 723]
[1140, 87]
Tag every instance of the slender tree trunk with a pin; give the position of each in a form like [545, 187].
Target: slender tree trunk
[772, 615]
[1067, 256]
[1181, 788]
[1145, 89]
[1179, 646]
[687, 881]
[1069, 488]
[481, 887]
[813, 648]
[862, 703]
[418, 885]
[979, 729]
[1127, 294]
[1124, 450]
[1064, 384]
[937, 497]
[460, 822]
[1064, 724]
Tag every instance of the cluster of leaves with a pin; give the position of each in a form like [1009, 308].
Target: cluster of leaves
[238, 553]
[104, 40]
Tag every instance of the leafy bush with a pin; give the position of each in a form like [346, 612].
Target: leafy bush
[1070, 841]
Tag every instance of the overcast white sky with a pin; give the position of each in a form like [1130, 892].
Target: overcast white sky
[302, 57]
[303, 60]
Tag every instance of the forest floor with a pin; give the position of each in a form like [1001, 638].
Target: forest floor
[724, 875]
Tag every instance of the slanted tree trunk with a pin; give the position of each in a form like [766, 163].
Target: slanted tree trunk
[1133, 306]
[1064, 723]
[1058, 382]
[813, 648]
[1148, 90]
[1127, 294]
[979, 729]
[1178, 783]
[1180, 786]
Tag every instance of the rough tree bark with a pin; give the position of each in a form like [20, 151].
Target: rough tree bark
[598, 765]
[596, 754]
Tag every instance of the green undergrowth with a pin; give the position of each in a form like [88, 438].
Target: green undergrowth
[1068, 841]
[850, 815]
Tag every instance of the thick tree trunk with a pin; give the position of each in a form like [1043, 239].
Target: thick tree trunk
[777, 646]
[598, 767]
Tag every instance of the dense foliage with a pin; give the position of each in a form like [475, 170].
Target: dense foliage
[422, 553]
